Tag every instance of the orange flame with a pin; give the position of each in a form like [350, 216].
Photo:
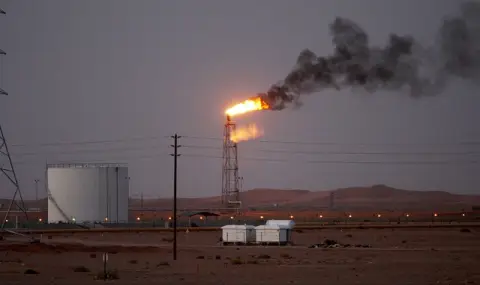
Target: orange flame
[249, 132]
[249, 105]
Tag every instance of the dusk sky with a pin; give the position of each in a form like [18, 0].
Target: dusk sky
[80, 73]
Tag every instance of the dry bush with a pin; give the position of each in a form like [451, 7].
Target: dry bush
[163, 263]
[30, 271]
[111, 274]
[236, 261]
[330, 242]
[80, 268]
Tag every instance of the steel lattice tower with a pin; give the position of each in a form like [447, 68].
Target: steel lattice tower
[6, 166]
[230, 178]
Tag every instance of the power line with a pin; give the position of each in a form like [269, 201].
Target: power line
[342, 152]
[86, 142]
[267, 160]
[343, 161]
[282, 151]
[125, 149]
[122, 149]
[117, 160]
[147, 138]
[475, 143]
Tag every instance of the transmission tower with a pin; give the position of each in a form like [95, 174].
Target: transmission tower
[230, 178]
[6, 166]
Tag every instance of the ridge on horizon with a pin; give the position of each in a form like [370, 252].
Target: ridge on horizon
[378, 187]
[374, 197]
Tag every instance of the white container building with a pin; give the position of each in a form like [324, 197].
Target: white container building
[238, 234]
[275, 232]
[284, 223]
[87, 193]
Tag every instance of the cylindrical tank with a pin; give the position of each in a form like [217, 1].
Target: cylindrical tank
[83, 193]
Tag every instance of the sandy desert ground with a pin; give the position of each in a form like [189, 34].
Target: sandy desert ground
[393, 256]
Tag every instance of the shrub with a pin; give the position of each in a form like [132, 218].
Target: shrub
[163, 263]
[80, 269]
[30, 271]
[109, 275]
[236, 261]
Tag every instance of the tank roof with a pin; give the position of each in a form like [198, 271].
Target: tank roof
[85, 165]
[238, 227]
[273, 227]
[284, 223]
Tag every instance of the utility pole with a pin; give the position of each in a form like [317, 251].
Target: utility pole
[129, 196]
[116, 207]
[36, 189]
[175, 156]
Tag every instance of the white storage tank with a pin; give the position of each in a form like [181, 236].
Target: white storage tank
[242, 234]
[87, 193]
[273, 234]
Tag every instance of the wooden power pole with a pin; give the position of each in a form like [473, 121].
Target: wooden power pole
[175, 155]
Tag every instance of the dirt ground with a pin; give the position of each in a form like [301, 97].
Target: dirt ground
[393, 256]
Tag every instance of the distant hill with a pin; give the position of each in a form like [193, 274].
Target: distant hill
[377, 197]
[388, 198]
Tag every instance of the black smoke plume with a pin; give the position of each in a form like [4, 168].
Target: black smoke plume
[401, 64]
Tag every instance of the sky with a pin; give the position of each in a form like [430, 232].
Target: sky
[81, 73]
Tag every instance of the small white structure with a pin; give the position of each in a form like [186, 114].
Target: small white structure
[284, 223]
[275, 232]
[238, 234]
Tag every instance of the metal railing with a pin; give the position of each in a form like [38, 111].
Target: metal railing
[51, 199]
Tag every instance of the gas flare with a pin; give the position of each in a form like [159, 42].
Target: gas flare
[249, 105]
[249, 132]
